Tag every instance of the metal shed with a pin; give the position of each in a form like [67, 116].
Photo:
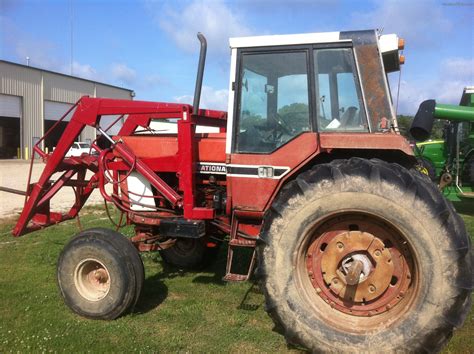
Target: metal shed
[33, 99]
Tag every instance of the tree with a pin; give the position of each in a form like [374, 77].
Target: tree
[295, 115]
[404, 124]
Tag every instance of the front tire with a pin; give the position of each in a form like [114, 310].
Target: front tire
[415, 275]
[100, 274]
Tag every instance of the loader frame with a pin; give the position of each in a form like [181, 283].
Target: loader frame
[88, 112]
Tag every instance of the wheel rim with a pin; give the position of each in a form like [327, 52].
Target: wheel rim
[357, 270]
[92, 279]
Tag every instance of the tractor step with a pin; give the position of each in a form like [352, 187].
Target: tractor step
[235, 277]
[239, 242]
[244, 244]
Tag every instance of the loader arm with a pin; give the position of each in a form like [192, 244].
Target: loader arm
[36, 213]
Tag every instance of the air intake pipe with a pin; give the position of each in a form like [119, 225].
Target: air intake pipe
[423, 122]
[200, 73]
[429, 110]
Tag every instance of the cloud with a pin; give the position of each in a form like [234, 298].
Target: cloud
[416, 21]
[41, 53]
[210, 98]
[214, 19]
[451, 76]
[85, 71]
[459, 68]
[121, 72]
[151, 80]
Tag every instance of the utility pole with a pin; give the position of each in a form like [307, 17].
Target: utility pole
[72, 35]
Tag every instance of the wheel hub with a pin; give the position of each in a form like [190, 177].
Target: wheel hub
[352, 250]
[356, 268]
[356, 272]
[92, 279]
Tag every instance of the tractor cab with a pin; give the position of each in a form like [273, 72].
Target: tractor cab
[283, 86]
[291, 95]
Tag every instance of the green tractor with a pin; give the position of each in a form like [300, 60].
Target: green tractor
[448, 162]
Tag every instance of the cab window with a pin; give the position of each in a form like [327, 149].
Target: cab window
[339, 98]
[274, 100]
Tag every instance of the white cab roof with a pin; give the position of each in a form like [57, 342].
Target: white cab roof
[387, 42]
[285, 39]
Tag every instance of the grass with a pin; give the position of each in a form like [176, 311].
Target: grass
[177, 312]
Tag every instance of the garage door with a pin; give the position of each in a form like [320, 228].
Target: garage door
[10, 106]
[10, 113]
[55, 110]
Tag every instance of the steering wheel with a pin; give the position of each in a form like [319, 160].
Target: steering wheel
[285, 128]
[272, 131]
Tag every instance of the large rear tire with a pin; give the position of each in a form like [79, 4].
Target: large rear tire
[413, 279]
[100, 274]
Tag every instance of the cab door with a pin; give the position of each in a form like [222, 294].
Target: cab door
[291, 102]
[272, 131]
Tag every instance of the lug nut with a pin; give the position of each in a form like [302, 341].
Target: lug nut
[371, 288]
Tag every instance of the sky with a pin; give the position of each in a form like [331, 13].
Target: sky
[151, 46]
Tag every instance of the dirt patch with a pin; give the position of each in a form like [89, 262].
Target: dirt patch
[14, 174]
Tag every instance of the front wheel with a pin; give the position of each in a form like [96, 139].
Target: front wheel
[362, 255]
[100, 274]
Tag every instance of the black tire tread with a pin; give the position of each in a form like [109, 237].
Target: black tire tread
[123, 249]
[132, 255]
[416, 187]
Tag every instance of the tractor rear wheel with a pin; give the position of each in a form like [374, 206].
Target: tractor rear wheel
[100, 274]
[189, 253]
[363, 255]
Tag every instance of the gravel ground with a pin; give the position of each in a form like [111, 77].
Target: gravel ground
[14, 174]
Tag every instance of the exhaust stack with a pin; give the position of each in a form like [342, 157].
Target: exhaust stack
[200, 73]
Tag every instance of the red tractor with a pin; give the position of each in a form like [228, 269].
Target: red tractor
[355, 250]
